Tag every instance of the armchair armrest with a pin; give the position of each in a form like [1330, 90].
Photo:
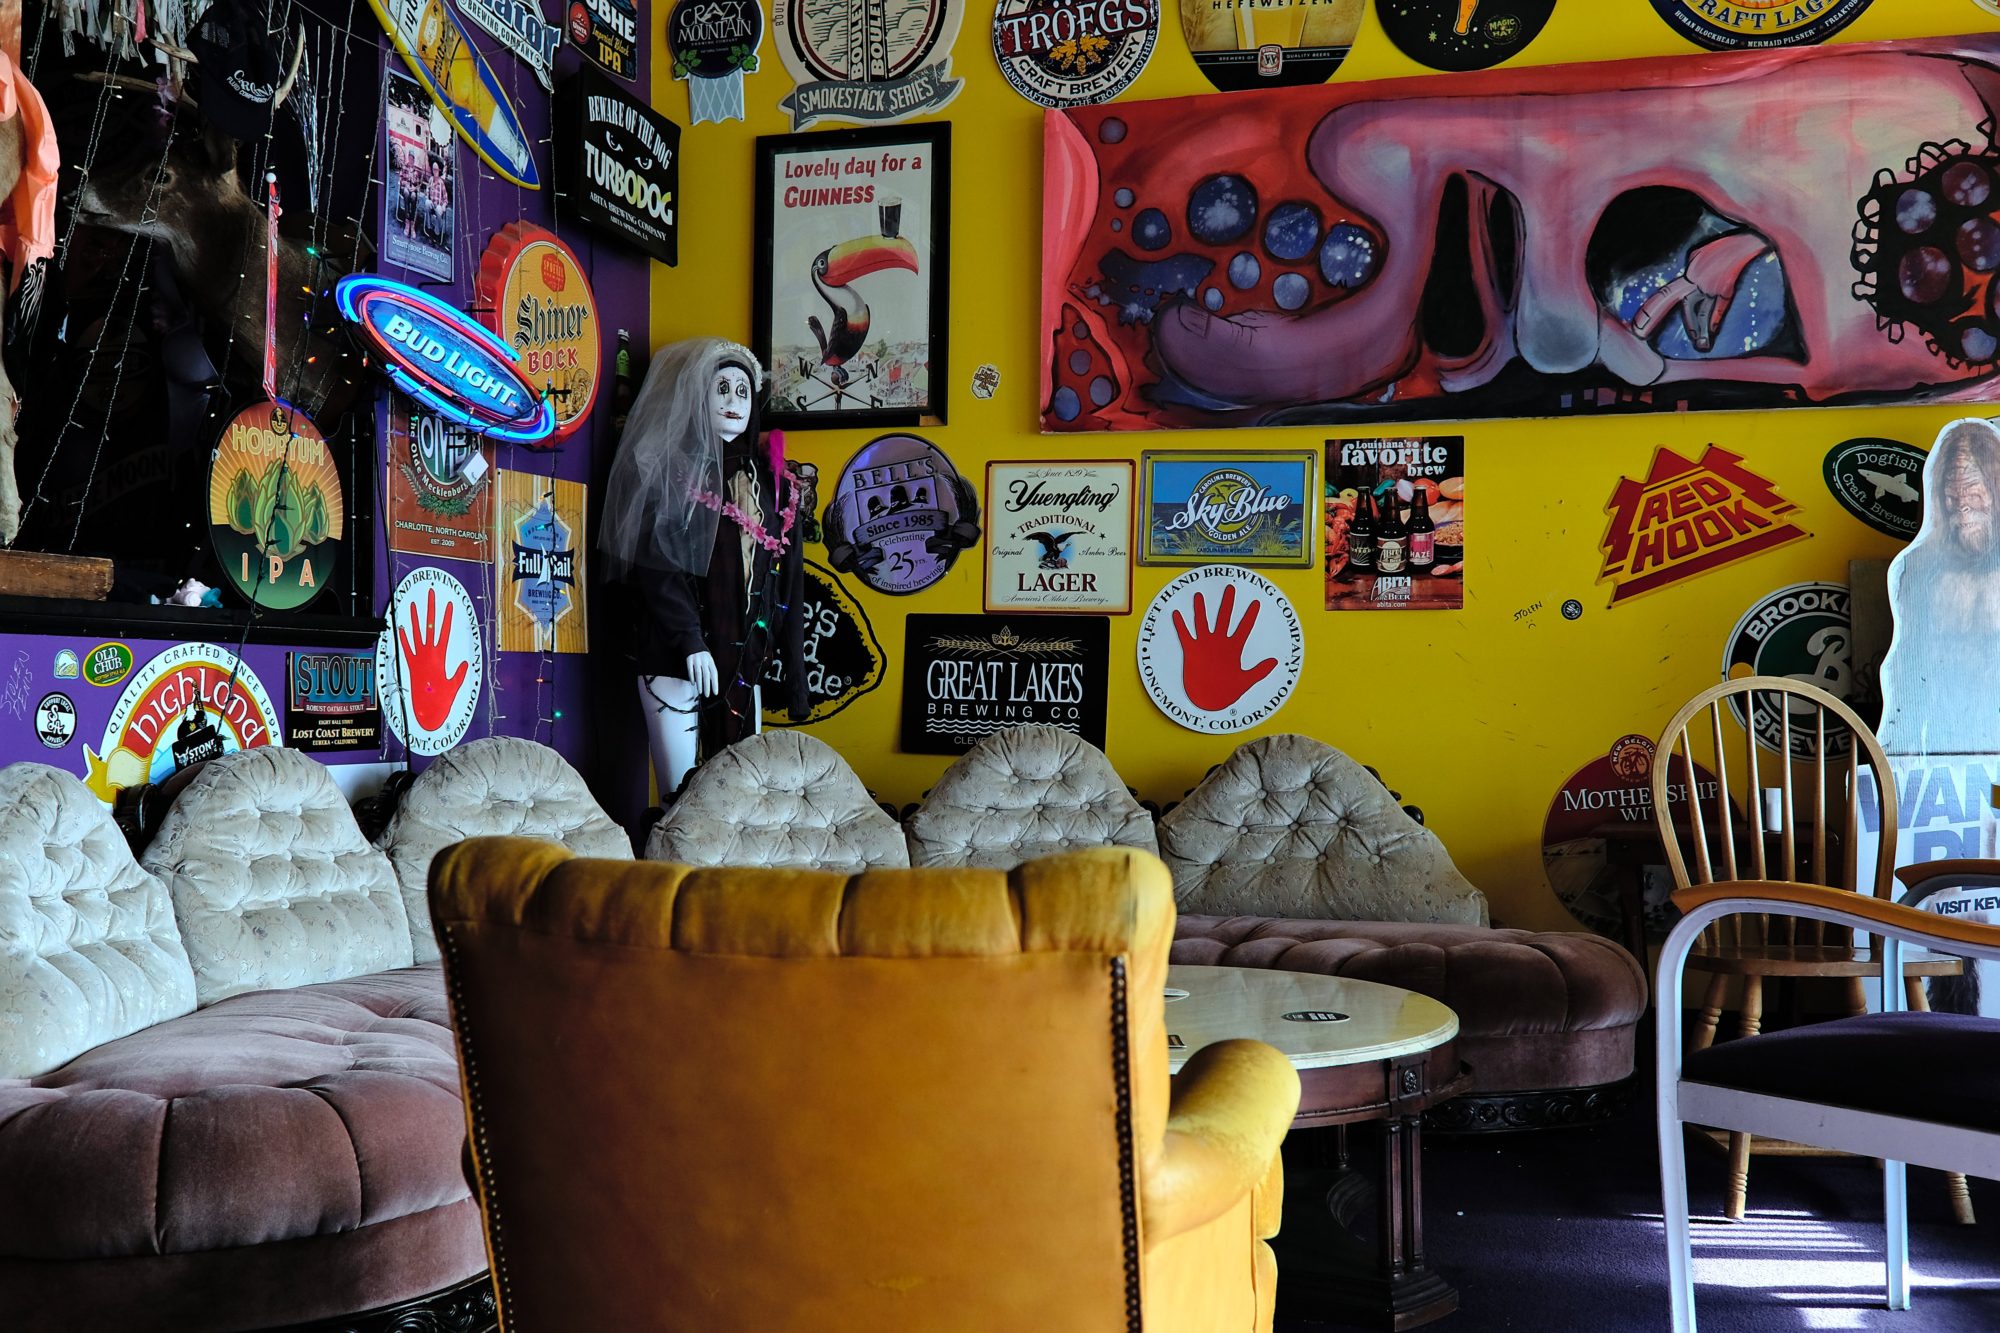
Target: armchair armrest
[1232, 1103]
[1918, 879]
[1857, 909]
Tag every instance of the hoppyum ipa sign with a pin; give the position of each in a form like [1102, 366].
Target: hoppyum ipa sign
[444, 360]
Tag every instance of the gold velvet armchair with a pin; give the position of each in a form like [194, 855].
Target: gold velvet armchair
[750, 1101]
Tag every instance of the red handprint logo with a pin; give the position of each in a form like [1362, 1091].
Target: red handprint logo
[432, 693]
[1212, 669]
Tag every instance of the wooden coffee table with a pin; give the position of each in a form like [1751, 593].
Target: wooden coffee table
[1364, 1052]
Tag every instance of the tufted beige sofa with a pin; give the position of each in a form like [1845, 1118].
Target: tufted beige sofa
[498, 786]
[780, 798]
[1289, 826]
[1024, 793]
[289, 1151]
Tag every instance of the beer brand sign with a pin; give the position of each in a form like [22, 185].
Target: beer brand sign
[1246, 508]
[623, 176]
[518, 26]
[1059, 536]
[867, 61]
[191, 703]
[1688, 518]
[1756, 24]
[541, 529]
[332, 702]
[275, 507]
[444, 360]
[607, 31]
[970, 676]
[440, 491]
[843, 658]
[1074, 52]
[535, 295]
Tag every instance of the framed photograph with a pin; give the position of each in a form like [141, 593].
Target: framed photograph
[420, 192]
[1059, 535]
[852, 276]
[1242, 508]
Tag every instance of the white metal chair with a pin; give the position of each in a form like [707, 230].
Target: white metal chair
[1902, 1085]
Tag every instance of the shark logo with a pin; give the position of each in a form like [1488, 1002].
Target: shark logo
[1877, 481]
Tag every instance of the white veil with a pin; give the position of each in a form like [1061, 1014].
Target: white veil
[669, 453]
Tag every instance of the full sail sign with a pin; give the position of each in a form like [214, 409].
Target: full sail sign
[1687, 518]
[624, 175]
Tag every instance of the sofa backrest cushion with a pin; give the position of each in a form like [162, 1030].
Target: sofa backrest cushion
[1288, 826]
[1023, 793]
[502, 786]
[272, 882]
[89, 951]
[781, 798]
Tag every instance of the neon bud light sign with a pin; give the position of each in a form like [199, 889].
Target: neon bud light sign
[444, 360]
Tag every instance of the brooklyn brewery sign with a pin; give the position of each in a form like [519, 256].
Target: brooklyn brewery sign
[623, 173]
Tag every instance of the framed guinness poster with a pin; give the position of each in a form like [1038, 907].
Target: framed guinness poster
[967, 677]
[1059, 536]
[850, 309]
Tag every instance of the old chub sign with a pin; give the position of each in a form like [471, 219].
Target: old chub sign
[444, 360]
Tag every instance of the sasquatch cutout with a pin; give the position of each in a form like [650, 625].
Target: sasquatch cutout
[1525, 242]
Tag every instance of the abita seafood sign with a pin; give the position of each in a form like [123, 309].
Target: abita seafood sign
[444, 360]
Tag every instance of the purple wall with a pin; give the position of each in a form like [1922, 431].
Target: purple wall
[550, 698]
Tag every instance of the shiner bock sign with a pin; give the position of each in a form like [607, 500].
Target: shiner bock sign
[622, 173]
[970, 676]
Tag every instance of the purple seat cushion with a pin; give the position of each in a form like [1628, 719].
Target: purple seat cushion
[1536, 1009]
[1943, 1068]
[324, 1113]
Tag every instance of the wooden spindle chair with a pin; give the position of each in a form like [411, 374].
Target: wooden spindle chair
[1725, 844]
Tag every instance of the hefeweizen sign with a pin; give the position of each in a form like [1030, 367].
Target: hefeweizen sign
[622, 173]
[970, 676]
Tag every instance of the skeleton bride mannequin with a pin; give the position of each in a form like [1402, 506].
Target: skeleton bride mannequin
[701, 531]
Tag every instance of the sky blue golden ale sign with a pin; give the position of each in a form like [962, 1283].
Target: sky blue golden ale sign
[1730, 25]
[1247, 508]
[445, 361]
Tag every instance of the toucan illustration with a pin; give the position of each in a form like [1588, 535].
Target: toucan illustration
[1054, 546]
[834, 272]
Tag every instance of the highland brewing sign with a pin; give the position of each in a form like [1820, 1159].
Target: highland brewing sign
[623, 175]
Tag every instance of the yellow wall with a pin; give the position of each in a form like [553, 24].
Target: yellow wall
[1476, 716]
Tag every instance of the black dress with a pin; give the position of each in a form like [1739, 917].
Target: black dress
[667, 616]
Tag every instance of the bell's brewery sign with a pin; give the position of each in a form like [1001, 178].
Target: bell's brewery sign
[621, 168]
[1688, 518]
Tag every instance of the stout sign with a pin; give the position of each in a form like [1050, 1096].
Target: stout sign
[622, 170]
[970, 676]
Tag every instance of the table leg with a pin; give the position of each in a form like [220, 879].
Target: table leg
[1331, 1269]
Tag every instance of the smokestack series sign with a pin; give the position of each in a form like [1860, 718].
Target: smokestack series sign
[275, 510]
[970, 676]
[621, 172]
[867, 61]
[1688, 518]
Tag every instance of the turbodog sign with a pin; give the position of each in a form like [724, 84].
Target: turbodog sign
[622, 173]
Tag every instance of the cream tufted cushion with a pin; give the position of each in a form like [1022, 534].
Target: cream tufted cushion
[777, 799]
[1023, 793]
[502, 785]
[272, 881]
[88, 947]
[1290, 827]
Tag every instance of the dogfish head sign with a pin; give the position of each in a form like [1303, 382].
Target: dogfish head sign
[444, 360]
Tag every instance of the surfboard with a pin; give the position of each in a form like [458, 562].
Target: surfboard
[429, 37]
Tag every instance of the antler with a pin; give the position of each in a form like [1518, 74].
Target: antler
[292, 74]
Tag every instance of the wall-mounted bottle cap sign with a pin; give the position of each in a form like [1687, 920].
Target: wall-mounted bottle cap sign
[439, 51]
[885, 61]
[607, 31]
[1758, 24]
[1060, 54]
[444, 360]
[275, 508]
[621, 169]
[533, 292]
[1242, 44]
[1471, 34]
[518, 26]
[713, 44]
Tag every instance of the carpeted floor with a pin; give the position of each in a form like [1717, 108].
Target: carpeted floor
[1560, 1231]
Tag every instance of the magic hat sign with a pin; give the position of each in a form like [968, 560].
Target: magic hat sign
[444, 360]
